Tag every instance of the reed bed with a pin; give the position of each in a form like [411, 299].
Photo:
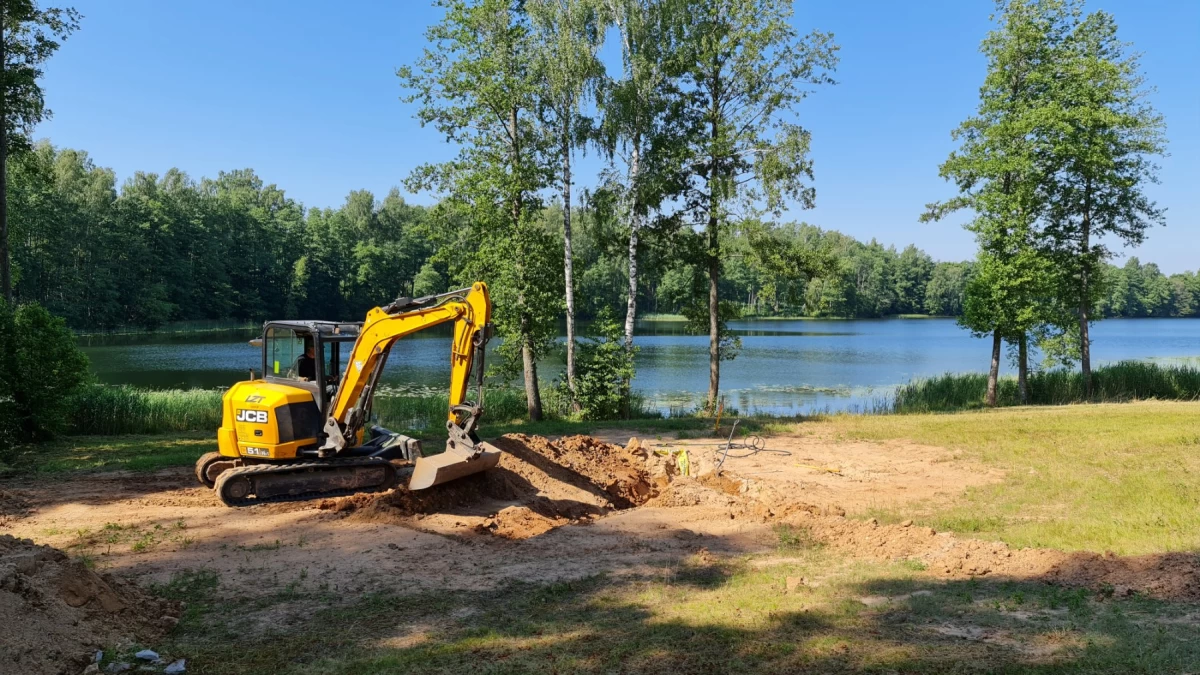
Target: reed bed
[109, 410]
[1113, 383]
[116, 410]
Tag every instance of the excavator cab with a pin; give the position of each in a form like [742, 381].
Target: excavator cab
[301, 429]
[308, 355]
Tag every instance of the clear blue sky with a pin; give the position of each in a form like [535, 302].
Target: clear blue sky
[304, 92]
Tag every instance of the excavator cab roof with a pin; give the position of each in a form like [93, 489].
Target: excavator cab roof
[330, 331]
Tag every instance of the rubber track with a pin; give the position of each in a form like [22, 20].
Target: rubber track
[286, 468]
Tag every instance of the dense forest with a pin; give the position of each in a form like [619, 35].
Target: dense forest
[162, 248]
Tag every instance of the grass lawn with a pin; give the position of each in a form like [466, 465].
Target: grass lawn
[1120, 477]
[111, 453]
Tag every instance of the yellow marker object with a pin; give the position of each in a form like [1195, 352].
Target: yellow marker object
[276, 367]
[684, 463]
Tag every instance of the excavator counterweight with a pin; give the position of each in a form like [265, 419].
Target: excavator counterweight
[301, 430]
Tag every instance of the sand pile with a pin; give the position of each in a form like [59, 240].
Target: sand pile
[539, 485]
[55, 612]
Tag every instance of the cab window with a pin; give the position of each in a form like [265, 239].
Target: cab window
[331, 361]
[284, 349]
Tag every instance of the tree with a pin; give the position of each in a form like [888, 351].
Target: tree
[748, 69]
[476, 83]
[914, 268]
[641, 120]
[998, 176]
[30, 36]
[947, 287]
[1099, 145]
[569, 35]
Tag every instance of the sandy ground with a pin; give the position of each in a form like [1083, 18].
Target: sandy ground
[853, 475]
[535, 520]
[182, 526]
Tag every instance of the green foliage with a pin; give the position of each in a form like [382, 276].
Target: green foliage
[47, 366]
[1138, 290]
[87, 252]
[1124, 381]
[40, 367]
[477, 82]
[604, 367]
[31, 35]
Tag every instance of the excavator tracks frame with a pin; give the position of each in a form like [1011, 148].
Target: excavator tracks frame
[269, 483]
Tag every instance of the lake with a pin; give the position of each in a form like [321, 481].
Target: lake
[785, 366]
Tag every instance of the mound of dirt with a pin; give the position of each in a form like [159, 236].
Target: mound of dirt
[582, 462]
[539, 485]
[12, 507]
[56, 612]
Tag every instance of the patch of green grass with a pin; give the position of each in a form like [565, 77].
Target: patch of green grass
[711, 615]
[793, 538]
[108, 453]
[1119, 477]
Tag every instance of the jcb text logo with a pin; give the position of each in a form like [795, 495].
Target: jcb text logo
[252, 416]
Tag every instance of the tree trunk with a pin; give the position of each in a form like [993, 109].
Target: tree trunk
[568, 274]
[994, 372]
[1085, 302]
[635, 222]
[533, 397]
[714, 248]
[1023, 368]
[714, 324]
[5, 271]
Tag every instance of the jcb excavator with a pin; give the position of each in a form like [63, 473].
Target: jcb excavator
[299, 431]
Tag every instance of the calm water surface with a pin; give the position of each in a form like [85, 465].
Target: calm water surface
[785, 366]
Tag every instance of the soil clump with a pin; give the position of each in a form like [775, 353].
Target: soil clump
[56, 612]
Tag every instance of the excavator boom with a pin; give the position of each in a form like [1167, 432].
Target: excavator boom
[470, 309]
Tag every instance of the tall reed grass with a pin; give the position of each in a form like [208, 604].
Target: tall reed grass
[114, 410]
[1118, 382]
[109, 410]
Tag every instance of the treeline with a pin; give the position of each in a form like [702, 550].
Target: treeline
[164, 248]
[1136, 290]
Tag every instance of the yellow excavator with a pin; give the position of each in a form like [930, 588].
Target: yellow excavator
[301, 430]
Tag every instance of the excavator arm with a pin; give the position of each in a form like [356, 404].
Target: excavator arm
[470, 309]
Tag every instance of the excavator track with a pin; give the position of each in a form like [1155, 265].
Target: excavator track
[269, 483]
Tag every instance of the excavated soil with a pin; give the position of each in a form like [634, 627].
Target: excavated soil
[12, 507]
[539, 485]
[56, 612]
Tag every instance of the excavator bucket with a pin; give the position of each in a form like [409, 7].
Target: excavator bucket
[451, 465]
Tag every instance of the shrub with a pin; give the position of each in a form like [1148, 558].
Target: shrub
[603, 367]
[49, 367]
[40, 368]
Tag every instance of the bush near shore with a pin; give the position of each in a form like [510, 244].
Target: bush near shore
[1114, 383]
